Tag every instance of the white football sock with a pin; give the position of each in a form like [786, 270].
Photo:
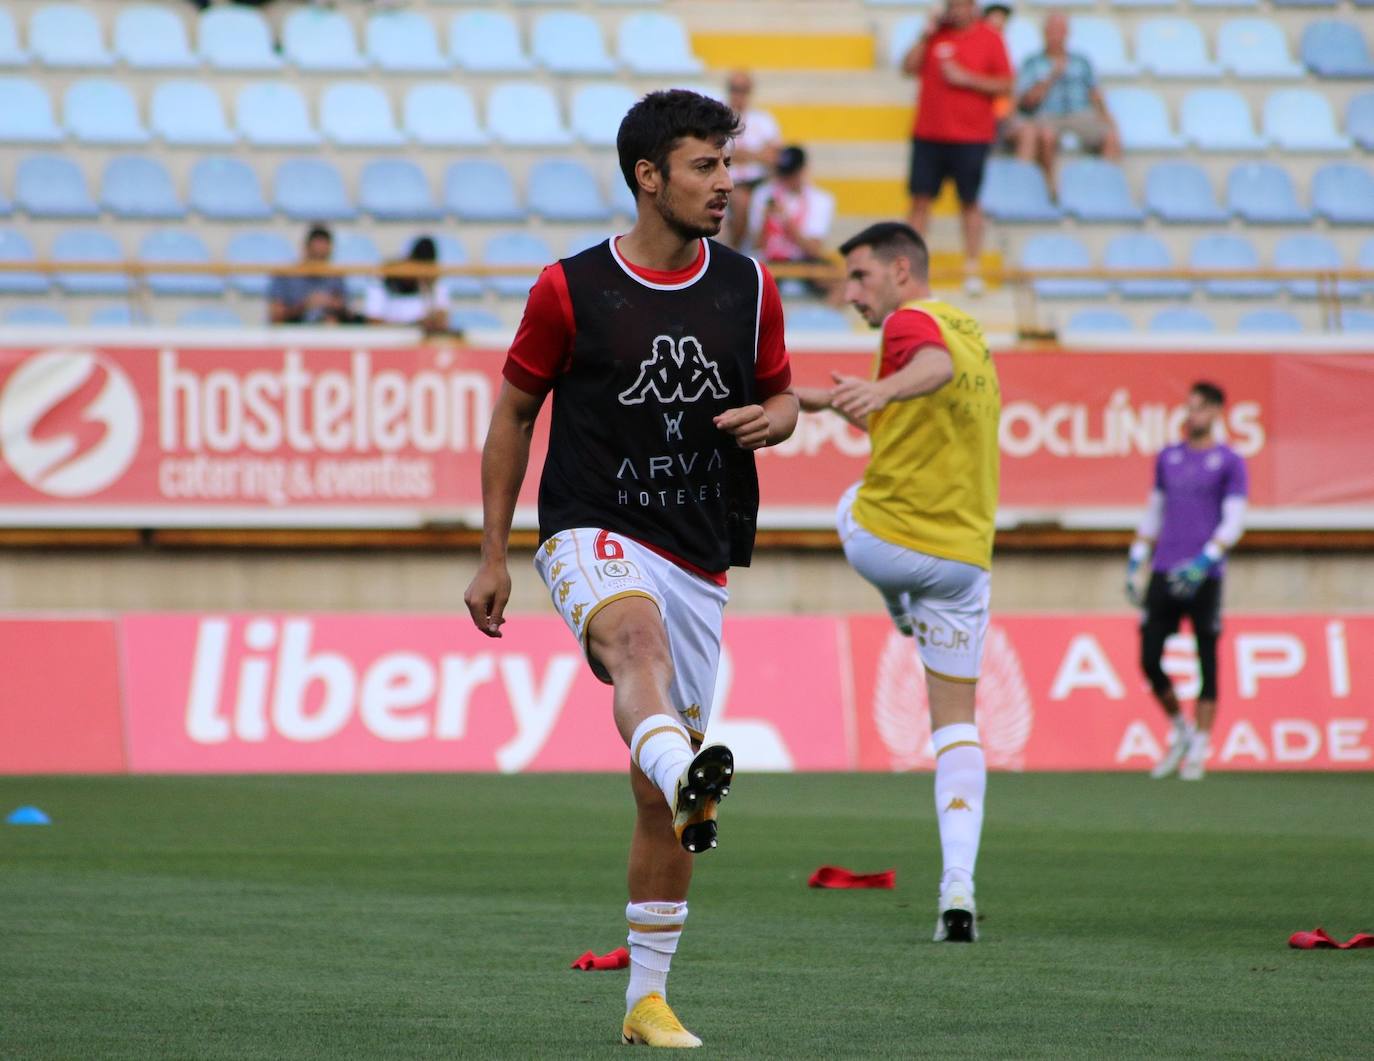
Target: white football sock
[961, 779]
[661, 748]
[655, 928]
[1199, 746]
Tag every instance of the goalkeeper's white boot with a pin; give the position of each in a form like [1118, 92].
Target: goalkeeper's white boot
[1179, 742]
[958, 920]
[1194, 766]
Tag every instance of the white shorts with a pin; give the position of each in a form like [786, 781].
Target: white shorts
[587, 569]
[944, 603]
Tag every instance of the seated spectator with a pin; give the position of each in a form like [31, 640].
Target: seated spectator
[410, 300]
[789, 218]
[309, 299]
[755, 153]
[1057, 93]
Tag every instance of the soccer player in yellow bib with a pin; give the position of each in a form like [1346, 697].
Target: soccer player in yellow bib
[919, 525]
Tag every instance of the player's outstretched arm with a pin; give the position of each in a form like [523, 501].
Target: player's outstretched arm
[756, 426]
[929, 369]
[505, 456]
[1143, 546]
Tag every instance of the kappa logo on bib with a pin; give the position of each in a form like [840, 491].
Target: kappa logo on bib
[677, 370]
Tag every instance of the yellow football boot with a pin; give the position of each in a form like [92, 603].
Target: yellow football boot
[652, 1023]
[704, 783]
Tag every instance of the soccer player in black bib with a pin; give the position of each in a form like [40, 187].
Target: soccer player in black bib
[663, 351]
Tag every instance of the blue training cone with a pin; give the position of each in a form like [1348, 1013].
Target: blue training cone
[28, 816]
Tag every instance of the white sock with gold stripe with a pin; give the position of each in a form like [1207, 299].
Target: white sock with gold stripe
[662, 749]
[961, 781]
[655, 928]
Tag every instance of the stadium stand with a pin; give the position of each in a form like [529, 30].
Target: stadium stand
[189, 114]
[67, 35]
[311, 189]
[10, 52]
[236, 38]
[15, 247]
[26, 113]
[487, 42]
[442, 115]
[404, 42]
[100, 111]
[152, 38]
[227, 189]
[137, 187]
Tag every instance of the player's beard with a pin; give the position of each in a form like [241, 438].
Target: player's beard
[684, 227]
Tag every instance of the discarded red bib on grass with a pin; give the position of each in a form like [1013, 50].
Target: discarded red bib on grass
[1320, 940]
[839, 877]
[617, 959]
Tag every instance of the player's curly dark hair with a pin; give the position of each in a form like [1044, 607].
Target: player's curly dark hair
[1209, 392]
[652, 128]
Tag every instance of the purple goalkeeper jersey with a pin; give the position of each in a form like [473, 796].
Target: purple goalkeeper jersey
[1194, 483]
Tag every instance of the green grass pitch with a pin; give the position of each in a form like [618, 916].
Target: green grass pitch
[436, 916]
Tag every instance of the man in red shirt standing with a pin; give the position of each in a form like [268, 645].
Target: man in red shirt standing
[963, 67]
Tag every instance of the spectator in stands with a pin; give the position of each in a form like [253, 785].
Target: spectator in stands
[962, 67]
[996, 15]
[1057, 93]
[756, 152]
[789, 218]
[307, 299]
[410, 300]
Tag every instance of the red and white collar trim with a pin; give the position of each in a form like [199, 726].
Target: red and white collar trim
[637, 274]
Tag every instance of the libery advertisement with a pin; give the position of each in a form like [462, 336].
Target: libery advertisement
[255, 693]
[270, 435]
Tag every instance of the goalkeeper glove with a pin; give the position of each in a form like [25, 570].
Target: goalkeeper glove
[1185, 579]
[1139, 551]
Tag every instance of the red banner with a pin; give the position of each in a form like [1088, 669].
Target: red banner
[353, 693]
[264, 435]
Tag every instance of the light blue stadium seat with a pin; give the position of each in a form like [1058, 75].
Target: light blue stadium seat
[811, 317]
[1142, 119]
[189, 114]
[396, 190]
[472, 320]
[902, 34]
[487, 42]
[597, 111]
[1359, 120]
[257, 248]
[353, 248]
[1100, 41]
[311, 189]
[1262, 193]
[1180, 193]
[569, 42]
[26, 113]
[118, 315]
[227, 189]
[135, 186]
[67, 35]
[1015, 191]
[1268, 322]
[1219, 119]
[37, 316]
[79, 245]
[1174, 48]
[1069, 4]
[1300, 119]
[358, 114]
[152, 38]
[581, 241]
[481, 189]
[1098, 320]
[1255, 48]
[236, 38]
[1357, 320]
[652, 43]
[564, 190]
[1305, 3]
[15, 247]
[100, 111]
[452, 252]
[1343, 193]
[209, 317]
[1139, 250]
[1092, 189]
[49, 186]
[524, 114]
[404, 42]
[1336, 49]
[622, 200]
[177, 247]
[317, 39]
[1054, 250]
[1226, 250]
[1181, 319]
[1141, 3]
[274, 114]
[516, 248]
[10, 52]
[1310, 251]
[1022, 36]
[438, 114]
[1247, 5]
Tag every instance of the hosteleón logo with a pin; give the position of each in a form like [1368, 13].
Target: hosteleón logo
[70, 423]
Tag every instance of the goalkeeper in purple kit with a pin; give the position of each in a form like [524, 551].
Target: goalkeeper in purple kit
[1195, 514]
